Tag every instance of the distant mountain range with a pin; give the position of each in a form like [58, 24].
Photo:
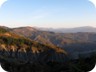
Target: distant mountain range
[75, 39]
[70, 30]
[70, 39]
[59, 30]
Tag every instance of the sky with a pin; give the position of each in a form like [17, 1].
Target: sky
[48, 13]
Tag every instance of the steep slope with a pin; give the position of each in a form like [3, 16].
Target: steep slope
[15, 48]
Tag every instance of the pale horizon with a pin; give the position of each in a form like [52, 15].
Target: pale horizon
[48, 27]
[47, 14]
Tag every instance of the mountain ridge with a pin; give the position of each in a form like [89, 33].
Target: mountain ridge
[11, 43]
[28, 49]
[66, 41]
[55, 38]
[58, 30]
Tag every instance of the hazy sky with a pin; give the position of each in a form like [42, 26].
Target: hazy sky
[48, 13]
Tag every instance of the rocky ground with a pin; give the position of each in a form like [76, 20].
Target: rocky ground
[81, 65]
